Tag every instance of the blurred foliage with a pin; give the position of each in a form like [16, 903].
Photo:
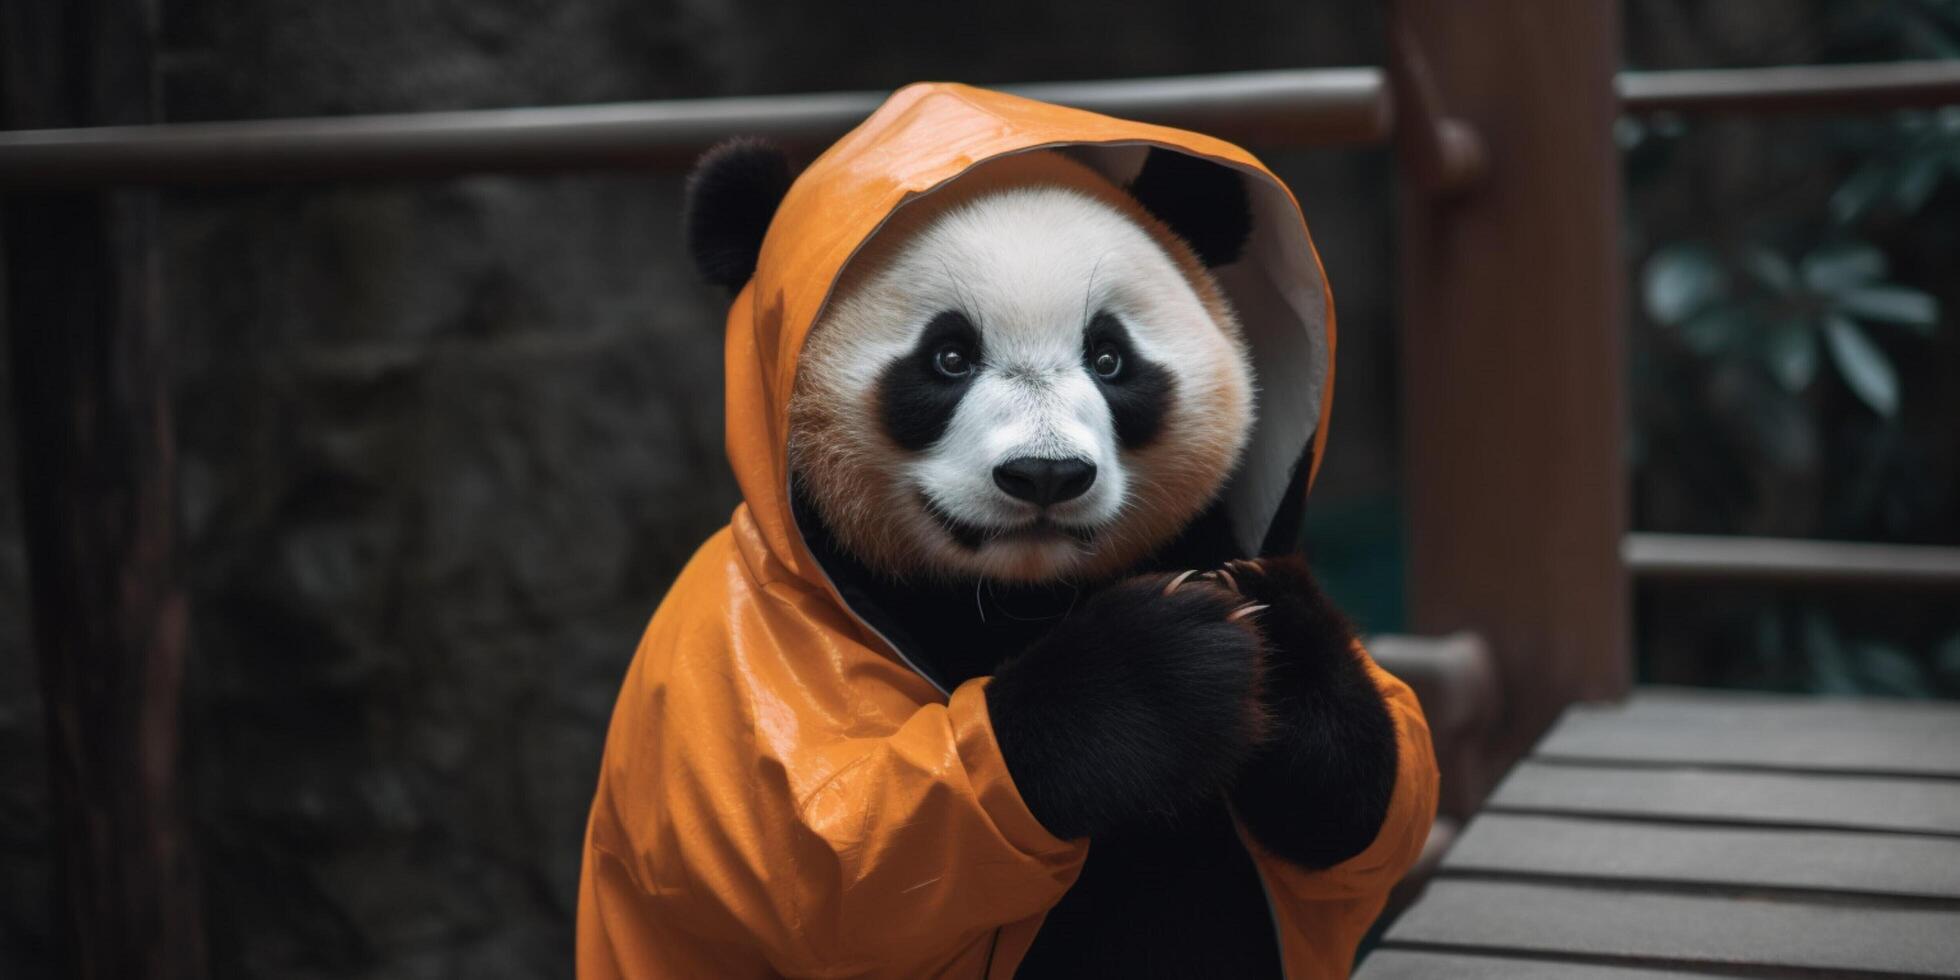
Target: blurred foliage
[1841, 643]
[1903, 165]
[1793, 370]
[1759, 306]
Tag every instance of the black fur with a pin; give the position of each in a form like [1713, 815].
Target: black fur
[1132, 708]
[1317, 791]
[1179, 901]
[1205, 203]
[731, 196]
[917, 402]
[1169, 897]
[1140, 393]
[951, 631]
[956, 631]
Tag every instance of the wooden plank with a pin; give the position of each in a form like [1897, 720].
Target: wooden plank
[1673, 929]
[1409, 964]
[1880, 864]
[1513, 357]
[1726, 558]
[1731, 729]
[1661, 701]
[1927, 806]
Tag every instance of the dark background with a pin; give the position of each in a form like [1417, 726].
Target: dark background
[443, 444]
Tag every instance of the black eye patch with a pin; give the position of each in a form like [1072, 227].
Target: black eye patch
[916, 398]
[1139, 393]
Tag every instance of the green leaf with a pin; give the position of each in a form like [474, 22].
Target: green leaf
[1769, 635]
[1830, 670]
[1716, 331]
[1891, 304]
[1835, 267]
[1859, 192]
[1681, 280]
[1770, 269]
[1891, 671]
[1864, 367]
[1917, 179]
[1943, 46]
[1628, 132]
[1946, 657]
[1924, 24]
[1790, 352]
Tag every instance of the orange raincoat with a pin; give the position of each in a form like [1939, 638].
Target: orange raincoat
[782, 794]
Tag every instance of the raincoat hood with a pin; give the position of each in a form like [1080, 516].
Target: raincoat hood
[926, 137]
[780, 793]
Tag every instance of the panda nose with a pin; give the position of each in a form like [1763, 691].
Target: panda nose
[1045, 481]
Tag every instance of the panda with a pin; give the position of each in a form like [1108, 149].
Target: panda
[1008, 438]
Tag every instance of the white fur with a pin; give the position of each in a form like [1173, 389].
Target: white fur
[1029, 266]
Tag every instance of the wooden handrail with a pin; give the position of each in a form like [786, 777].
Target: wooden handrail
[1794, 88]
[1308, 107]
[1654, 557]
[1444, 154]
[1315, 107]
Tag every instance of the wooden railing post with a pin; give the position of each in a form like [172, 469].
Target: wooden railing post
[1513, 352]
[92, 412]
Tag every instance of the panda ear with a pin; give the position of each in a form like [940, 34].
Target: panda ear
[1204, 203]
[731, 195]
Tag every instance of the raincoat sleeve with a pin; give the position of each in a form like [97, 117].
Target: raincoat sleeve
[772, 784]
[1333, 908]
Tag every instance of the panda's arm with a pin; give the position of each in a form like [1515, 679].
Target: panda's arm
[1317, 792]
[1142, 701]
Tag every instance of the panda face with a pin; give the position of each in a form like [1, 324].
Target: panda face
[1027, 386]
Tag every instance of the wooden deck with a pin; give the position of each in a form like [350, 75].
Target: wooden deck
[1688, 833]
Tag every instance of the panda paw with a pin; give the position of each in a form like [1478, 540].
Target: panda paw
[1143, 700]
[1316, 794]
[1308, 634]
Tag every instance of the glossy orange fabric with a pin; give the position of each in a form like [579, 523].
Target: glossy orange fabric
[781, 794]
